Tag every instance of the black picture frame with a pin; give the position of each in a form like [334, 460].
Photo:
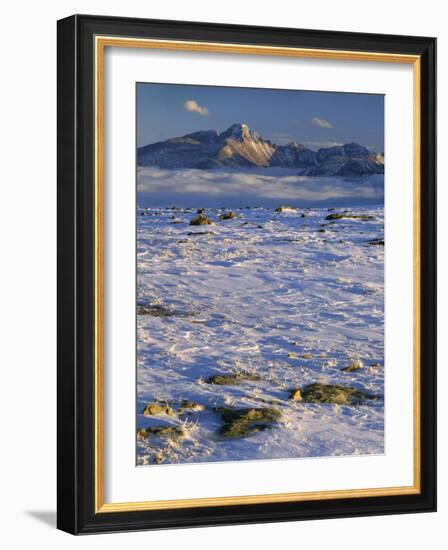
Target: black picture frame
[76, 286]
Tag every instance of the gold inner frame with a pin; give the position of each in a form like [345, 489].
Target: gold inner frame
[101, 42]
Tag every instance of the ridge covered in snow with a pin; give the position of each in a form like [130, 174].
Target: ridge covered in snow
[239, 146]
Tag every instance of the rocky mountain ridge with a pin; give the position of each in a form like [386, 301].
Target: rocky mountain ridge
[240, 147]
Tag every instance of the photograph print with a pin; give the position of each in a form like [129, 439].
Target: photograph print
[260, 274]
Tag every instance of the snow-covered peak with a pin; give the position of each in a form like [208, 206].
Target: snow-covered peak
[294, 145]
[202, 136]
[238, 132]
[239, 146]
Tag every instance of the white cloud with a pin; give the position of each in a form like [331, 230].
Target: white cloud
[264, 186]
[321, 122]
[193, 107]
[322, 144]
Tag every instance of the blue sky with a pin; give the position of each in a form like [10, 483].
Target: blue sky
[316, 119]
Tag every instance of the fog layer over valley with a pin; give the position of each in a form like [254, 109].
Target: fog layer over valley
[253, 186]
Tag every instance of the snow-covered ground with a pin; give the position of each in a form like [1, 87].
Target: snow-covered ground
[280, 299]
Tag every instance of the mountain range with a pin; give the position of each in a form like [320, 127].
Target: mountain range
[239, 147]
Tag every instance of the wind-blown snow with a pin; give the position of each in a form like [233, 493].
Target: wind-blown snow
[268, 294]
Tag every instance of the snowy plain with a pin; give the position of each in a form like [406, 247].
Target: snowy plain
[280, 300]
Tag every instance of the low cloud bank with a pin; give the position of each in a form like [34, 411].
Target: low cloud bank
[266, 187]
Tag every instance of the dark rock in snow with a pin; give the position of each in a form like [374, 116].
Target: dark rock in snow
[154, 409]
[296, 395]
[349, 217]
[281, 209]
[200, 219]
[377, 242]
[227, 216]
[157, 310]
[172, 433]
[245, 422]
[199, 233]
[231, 379]
[190, 406]
[354, 366]
[334, 393]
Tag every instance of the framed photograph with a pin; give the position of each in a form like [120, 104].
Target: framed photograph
[246, 274]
